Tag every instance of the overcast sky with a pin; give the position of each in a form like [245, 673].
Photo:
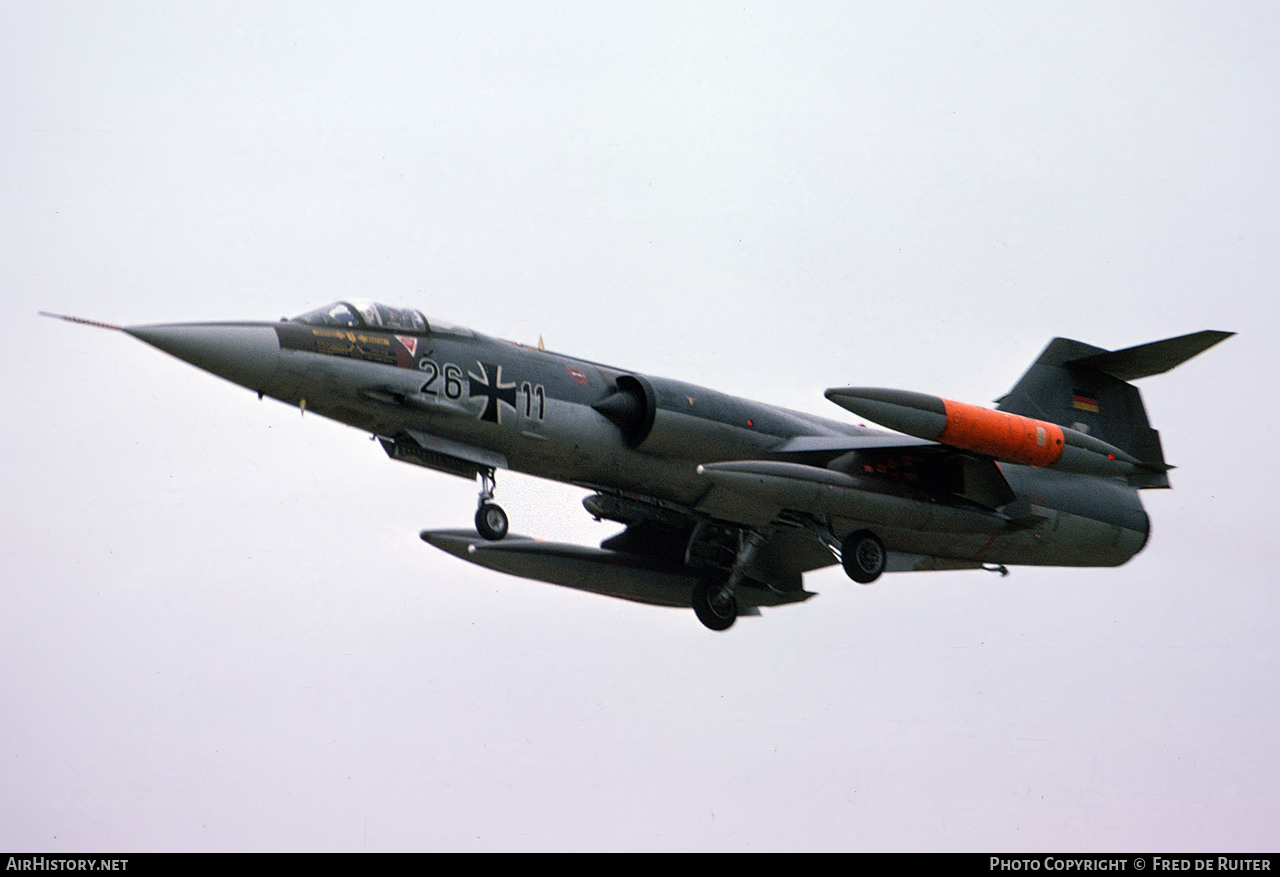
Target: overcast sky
[218, 627]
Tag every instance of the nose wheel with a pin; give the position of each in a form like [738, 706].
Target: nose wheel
[491, 520]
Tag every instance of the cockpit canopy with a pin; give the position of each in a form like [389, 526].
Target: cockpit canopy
[364, 314]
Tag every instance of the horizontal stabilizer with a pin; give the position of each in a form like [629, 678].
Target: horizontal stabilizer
[1155, 358]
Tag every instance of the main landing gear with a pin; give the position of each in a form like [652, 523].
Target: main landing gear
[863, 556]
[491, 520]
[861, 553]
[713, 600]
[714, 604]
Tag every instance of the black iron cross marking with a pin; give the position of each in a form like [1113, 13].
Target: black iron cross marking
[494, 392]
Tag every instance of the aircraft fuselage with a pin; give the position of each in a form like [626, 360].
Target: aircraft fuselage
[473, 402]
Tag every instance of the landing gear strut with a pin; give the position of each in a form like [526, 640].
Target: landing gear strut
[491, 520]
[713, 600]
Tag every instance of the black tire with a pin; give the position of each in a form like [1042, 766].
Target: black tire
[491, 521]
[716, 618]
[863, 556]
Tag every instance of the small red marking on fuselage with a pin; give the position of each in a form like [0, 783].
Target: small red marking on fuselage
[410, 344]
[577, 374]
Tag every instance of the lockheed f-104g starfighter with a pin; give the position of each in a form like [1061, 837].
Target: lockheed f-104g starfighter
[726, 502]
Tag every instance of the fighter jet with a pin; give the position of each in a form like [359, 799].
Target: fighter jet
[726, 502]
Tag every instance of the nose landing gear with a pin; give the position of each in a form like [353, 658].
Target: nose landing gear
[491, 520]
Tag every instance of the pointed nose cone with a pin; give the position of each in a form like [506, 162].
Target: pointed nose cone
[245, 353]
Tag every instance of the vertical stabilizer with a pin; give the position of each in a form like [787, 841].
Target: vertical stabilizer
[1087, 388]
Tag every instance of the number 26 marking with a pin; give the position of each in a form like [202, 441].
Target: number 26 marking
[452, 375]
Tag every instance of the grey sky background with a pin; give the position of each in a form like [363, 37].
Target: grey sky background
[218, 628]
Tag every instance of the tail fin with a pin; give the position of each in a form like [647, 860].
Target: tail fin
[1087, 388]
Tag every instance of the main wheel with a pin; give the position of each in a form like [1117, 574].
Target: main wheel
[863, 556]
[714, 611]
[491, 521]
